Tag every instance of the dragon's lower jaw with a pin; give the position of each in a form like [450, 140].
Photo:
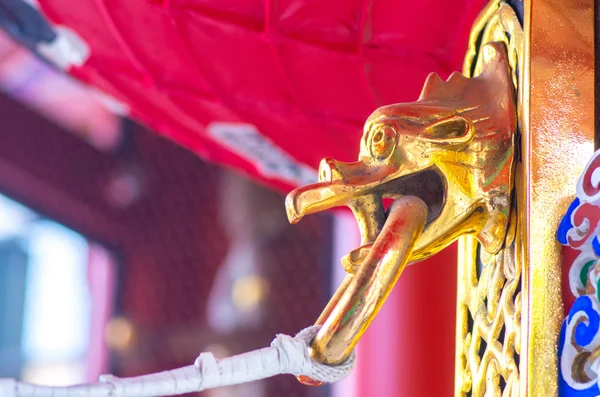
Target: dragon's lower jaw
[358, 299]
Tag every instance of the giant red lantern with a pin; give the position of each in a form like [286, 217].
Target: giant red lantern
[287, 82]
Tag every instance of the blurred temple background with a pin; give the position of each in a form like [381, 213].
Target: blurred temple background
[122, 250]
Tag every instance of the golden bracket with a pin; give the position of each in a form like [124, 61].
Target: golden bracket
[446, 162]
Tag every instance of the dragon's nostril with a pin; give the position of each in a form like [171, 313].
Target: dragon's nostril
[327, 170]
[324, 175]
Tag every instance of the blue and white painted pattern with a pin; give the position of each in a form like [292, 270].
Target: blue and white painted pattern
[579, 340]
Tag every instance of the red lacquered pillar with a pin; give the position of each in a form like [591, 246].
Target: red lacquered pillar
[409, 349]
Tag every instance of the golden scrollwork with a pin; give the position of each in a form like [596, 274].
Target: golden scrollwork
[489, 327]
[489, 303]
[497, 22]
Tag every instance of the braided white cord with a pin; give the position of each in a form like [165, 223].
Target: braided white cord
[286, 355]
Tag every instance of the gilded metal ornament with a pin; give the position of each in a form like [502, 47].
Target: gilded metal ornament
[490, 157]
[489, 300]
[446, 161]
[557, 139]
[552, 59]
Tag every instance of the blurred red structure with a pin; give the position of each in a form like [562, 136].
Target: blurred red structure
[410, 349]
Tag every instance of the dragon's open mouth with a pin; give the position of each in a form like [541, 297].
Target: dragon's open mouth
[427, 185]
[367, 198]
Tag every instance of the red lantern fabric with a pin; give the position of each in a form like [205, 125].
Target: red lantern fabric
[287, 81]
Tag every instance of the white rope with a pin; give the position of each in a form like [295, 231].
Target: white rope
[286, 355]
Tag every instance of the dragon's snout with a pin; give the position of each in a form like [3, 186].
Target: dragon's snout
[339, 184]
[357, 173]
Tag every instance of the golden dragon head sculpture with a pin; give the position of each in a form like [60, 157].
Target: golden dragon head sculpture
[453, 149]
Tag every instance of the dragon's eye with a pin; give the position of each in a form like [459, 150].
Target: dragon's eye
[383, 141]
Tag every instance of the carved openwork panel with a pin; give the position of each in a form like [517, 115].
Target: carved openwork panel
[489, 335]
[489, 285]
